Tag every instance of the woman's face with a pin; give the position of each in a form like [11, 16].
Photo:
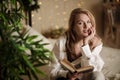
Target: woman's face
[82, 25]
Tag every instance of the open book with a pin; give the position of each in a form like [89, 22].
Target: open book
[72, 68]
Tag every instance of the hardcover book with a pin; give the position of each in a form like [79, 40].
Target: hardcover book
[72, 68]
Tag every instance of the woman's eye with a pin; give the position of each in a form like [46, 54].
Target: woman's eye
[80, 23]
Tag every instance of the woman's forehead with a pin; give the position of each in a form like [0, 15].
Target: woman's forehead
[82, 16]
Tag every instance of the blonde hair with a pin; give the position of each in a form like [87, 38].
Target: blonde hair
[72, 36]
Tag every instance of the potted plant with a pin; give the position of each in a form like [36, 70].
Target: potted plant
[20, 53]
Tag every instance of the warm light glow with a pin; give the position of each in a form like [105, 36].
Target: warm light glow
[56, 26]
[79, 5]
[54, 13]
[40, 3]
[33, 15]
[64, 13]
[118, 0]
[40, 18]
[56, 6]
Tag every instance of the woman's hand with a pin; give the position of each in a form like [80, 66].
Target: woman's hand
[73, 76]
[90, 36]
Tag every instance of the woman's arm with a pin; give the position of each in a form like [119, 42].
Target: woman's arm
[93, 57]
[59, 54]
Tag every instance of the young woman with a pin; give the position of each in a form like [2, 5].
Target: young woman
[81, 44]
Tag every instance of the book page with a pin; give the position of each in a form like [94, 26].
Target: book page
[85, 69]
[68, 65]
[77, 61]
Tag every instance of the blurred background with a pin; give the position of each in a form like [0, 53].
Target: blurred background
[51, 19]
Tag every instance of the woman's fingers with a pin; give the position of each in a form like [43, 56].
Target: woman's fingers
[90, 36]
[75, 75]
[92, 33]
[72, 76]
[93, 30]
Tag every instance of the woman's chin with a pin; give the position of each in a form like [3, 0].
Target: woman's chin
[85, 35]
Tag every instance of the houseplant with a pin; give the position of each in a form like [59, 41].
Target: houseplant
[20, 53]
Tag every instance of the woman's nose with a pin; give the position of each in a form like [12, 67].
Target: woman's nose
[86, 25]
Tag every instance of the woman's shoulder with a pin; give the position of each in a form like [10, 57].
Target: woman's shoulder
[61, 41]
[62, 38]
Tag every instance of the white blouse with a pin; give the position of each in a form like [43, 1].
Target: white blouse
[88, 58]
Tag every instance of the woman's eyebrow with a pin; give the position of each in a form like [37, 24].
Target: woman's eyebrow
[79, 20]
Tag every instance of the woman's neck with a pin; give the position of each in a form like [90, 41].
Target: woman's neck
[77, 48]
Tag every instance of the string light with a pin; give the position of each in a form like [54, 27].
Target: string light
[64, 13]
[79, 5]
[56, 6]
[56, 26]
[40, 18]
[33, 15]
[58, 10]
[40, 3]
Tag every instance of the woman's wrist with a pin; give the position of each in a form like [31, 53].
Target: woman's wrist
[85, 42]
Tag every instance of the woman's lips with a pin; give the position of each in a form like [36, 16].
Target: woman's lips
[85, 31]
